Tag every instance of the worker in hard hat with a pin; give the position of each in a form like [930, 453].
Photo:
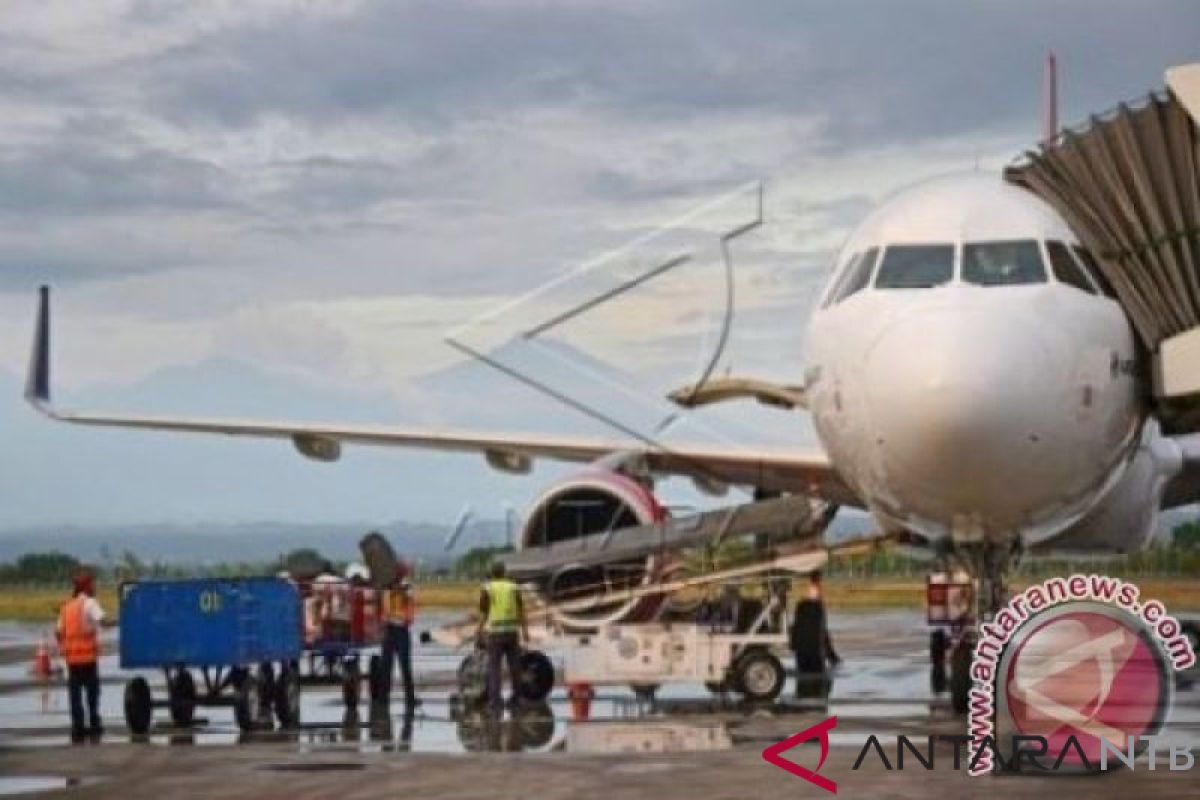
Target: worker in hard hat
[502, 620]
[333, 604]
[399, 613]
[78, 634]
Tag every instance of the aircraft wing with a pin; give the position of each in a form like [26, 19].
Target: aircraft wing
[711, 467]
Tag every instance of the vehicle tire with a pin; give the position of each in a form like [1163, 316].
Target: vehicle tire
[351, 684]
[960, 674]
[247, 701]
[1188, 678]
[181, 698]
[938, 645]
[286, 697]
[377, 681]
[537, 676]
[759, 676]
[139, 706]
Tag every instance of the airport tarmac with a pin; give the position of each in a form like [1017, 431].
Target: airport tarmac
[689, 745]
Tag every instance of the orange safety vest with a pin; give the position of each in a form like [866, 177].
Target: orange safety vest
[401, 608]
[80, 640]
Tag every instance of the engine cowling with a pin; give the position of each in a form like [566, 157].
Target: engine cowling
[594, 502]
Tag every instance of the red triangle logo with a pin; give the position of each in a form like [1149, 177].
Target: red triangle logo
[773, 754]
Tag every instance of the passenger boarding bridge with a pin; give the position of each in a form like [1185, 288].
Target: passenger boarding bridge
[1128, 184]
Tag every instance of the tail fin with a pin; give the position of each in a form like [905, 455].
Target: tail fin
[37, 383]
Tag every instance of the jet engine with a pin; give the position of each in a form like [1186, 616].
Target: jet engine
[595, 502]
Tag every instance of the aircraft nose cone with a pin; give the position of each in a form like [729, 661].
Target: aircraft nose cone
[954, 404]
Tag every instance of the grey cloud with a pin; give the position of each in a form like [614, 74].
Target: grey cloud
[482, 201]
[53, 253]
[327, 183]
[878, 72]
[94, 166]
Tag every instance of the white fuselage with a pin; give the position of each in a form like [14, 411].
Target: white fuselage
[967, 410]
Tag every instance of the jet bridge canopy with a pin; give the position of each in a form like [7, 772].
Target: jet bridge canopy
[1128, 184]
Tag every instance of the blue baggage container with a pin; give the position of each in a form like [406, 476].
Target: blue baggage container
[220, 622]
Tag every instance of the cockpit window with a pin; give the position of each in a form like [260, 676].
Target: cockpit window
[1066, 269]
[1089, 264]
[854, 276]
[1003, 263]
[839, 282]
[916, 266]
[858, 274]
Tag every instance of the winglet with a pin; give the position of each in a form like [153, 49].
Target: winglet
[37, 384]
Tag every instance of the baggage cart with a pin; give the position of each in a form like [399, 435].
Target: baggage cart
[244, 637]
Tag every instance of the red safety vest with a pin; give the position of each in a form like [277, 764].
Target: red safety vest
[80, 640]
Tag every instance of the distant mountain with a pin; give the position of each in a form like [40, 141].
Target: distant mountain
[252, 542]
[200, 544]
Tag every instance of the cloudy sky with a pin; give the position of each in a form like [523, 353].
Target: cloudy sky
[286, 205]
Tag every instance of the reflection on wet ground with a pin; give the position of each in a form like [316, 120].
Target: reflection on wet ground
[881, 688]
[32, 784]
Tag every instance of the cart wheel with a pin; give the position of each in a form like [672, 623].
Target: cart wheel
[758, 675]
[247, 702]
[377, 681]
[266, 694]
[352, 684]
[181, 698]
[472, 677]
[139, 706]
[537, 676]
[287, 696]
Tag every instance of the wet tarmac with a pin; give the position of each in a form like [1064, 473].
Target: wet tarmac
[688, 743]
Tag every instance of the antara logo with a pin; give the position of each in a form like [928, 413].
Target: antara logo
[820, 731]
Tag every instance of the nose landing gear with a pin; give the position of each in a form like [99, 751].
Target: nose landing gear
[968, 590]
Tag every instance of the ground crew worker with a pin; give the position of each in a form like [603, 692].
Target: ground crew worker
[333, 604]
[78, 631]
[399, 612]
[502, 618]
[810, 638]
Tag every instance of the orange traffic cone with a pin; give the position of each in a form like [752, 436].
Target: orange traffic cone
[41, 660]
[581, 695]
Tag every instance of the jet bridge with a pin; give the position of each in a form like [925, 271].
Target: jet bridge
[1128, 184]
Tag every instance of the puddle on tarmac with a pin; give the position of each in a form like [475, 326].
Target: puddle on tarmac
[316, 766]
[882, 692]
[31, 784]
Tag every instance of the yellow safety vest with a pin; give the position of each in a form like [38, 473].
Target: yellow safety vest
[503, 602]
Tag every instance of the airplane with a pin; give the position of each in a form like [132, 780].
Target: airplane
[973, 381]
